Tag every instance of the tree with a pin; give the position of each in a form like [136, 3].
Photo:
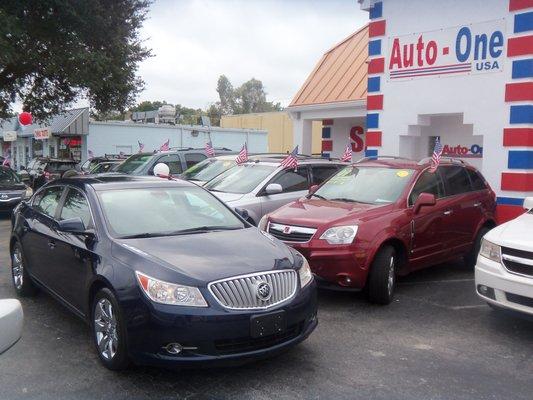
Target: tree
[148, 105]
[56, 51]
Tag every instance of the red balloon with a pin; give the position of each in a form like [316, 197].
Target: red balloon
[25, 118]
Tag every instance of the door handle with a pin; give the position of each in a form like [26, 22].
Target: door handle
[448, 212]
[477, 204]
[51, 244]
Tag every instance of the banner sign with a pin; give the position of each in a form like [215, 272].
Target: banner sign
[42, 133]
[468, 49]
[460, 151]
[9, 136]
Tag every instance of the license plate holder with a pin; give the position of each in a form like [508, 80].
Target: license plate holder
[268, 324]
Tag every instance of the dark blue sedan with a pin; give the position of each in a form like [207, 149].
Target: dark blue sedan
[163, 272]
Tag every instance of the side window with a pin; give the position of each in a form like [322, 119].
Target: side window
[478, 183]
[292, 181]
[427, 183]
[47, 201]
[457, 180]
[322, 172]
[194, 158]
[75, 205]
[173, 161]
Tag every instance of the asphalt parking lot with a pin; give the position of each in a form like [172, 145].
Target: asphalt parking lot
[436, 341]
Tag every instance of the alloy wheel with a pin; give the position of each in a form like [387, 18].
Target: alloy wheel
[17, 268]
[105, 328]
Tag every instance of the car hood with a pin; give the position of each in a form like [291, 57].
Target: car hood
[11, 186]
[515, 233]
[316, 212]
[227, 197]
[202, 258]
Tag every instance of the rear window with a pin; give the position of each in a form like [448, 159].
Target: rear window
[457, 180]
[478, 183]
[59, 166]
[133, 162]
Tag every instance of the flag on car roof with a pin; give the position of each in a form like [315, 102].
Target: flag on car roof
[91, 154]
[165, 146]
[291, 161]
[242, 157]
[5, 163]
[347, 155]
[435, 158]
[209, 150]
[141, 146]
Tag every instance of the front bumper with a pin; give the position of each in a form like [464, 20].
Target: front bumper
[213, 336]
[8, 205]
[510, 291]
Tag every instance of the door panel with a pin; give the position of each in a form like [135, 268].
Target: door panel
[295, 184]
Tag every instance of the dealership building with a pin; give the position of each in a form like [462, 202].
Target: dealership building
[421, 69]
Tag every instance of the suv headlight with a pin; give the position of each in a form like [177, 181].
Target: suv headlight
[306, 276]
[28, 193]
[340, 234]
[263, 222]
[170, 293]
[490, 250]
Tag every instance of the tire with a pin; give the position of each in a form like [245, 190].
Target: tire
[19, 273]
[382, 279]
[109, 331]
[471, 258]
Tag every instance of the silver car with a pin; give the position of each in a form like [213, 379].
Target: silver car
[261, 186]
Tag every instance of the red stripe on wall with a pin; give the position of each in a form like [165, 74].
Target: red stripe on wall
[520, 182]
[519, 91]
[376, 66]
[327, 122]
[327, 145]
[506, 213]
[520, 4]
[374, 102]
[518, 137]
[376, 28]
[373, 139]
[520, 46]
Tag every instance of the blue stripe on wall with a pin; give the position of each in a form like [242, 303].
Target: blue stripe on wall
[510, 201]
[523, 22]
[520, 159]
[521, 114]
[371, 153]
[374, 84]
[376, 11]
[372, 121]
[326, 132]
[374, 47]
[523, 68]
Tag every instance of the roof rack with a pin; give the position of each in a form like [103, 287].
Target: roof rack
[382, 157]
[427, 160]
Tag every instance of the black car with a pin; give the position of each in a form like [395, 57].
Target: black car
[163, 271]
[12, 189]
[43, 170]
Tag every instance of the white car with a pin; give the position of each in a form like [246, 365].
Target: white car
[504, 269]
[11, 318]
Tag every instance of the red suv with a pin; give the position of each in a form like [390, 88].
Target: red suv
[384, 217]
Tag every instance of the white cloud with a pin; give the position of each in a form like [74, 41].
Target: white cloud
[276, 41]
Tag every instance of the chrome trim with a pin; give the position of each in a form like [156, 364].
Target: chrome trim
[518, 260]
[293, 228]
[237, 292]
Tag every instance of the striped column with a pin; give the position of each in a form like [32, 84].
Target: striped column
[376, 69]
[518, 135]
[327, 141]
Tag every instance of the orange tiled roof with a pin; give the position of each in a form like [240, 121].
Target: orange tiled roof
[340, 75]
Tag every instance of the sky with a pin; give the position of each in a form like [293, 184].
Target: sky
[276, 41]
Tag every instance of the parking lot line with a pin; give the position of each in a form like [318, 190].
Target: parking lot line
[437, 281]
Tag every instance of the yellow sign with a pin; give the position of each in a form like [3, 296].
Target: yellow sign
[402, 174]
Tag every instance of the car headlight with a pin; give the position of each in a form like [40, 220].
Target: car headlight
[263, 222]
[490, 250]
[170, 293]
[306, 276]
[28, 193]
[340, 234]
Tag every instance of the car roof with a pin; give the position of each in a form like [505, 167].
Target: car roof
[400, 162]
[102, 182]
[276, 159]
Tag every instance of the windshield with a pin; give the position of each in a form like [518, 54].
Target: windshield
[7, 176]
[373, 185]
[133, 162]
[241, 178]
[89, 164]
[165, 212]
[207, 169]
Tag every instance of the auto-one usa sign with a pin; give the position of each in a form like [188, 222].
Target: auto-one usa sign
[467, 49]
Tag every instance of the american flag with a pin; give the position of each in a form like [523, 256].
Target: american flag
[91, 154]
[291, 161]
[242, 157]
[5, 163]
[165, 146]
[209, 150]
[435, 158]
[141, 146]
[347, 155]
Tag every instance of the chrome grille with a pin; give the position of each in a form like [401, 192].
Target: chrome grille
[241, 292]
[290, 233]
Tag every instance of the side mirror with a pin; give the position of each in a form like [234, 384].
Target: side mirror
[273, 188]
[11, 319]
[72, 225]
[313, 189]
[243, 213]
[424, 199]
[528, 203]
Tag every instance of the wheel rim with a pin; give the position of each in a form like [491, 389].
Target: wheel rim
[17, 268]
[105, 328]
[390, 281]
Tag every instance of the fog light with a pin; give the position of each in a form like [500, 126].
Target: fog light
[486, 291]
[344, 280]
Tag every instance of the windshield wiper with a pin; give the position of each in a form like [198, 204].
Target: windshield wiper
[202, 229]
[317, 195]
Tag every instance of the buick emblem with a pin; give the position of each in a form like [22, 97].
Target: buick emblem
[4, 196]
[287, 230]
[263, 290]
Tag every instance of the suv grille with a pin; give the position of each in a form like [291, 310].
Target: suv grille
[290, 233]
[518, 261]
[262, 290]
